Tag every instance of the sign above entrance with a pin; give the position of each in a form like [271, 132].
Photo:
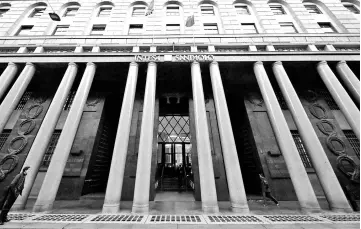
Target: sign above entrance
[191, 58]
[147, 58]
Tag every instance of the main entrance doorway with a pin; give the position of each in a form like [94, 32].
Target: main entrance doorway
[174, 155]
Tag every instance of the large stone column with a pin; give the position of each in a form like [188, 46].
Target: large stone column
[116, 174]
[7, 77]
[14, 95]
[329, 182]
[237, 192]
[205, 164]
[55, 171]
[350, 79]
[340, 96]
[38, 149]
[302, 185]
[142, 177]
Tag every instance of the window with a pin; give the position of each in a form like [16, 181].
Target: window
[288, 27]
[37, 12]
[25, 30]
[242, 10]
[327, 27]
[277, 9]
[172, 10]
[135, 29]
[301, 149]
[61, 30]
[98, 30]
[3, 10]
[138, 11]
[211, 28]
[69, 100]
[351, 137]
[207, 10]
[104, 11]
[51, 147]
[173, 28]
[324, 94]
[249, 28]
[24, 99]
[313, 9]
[3, 137]
[70, 11]
[351, 8]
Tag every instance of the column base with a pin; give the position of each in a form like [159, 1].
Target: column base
[311, 210]
[240, 208]
[342, 210]
[110, 208]
[210, 209]
[140, 209]
[42, 207]
[18, 206]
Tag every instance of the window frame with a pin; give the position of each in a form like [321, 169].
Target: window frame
[141, 30]
[103, 8]
[167, 31]
[248, 24]
[315, 10]
[172, 14]
[34, 13]
[287, 25]
[303, 154]
[60, 27]
[208, 25]
[355, 9]
[4, 10]
[244, 7]
[330, 27]
[207, 8]
[277, 9]
[70, 9]
[97, 26]
[22, 29]
[139, 7]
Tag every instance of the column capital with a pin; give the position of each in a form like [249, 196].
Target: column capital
[152, 64]
[195, 63]
[31, 64]
[214, 62]
[322, 62]
[90, 63]
[341, 62]
[133, 63]
[277, 63]
[11, 63]
[73, 64]
[258, 63]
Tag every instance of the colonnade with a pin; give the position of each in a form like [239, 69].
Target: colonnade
[303, 188]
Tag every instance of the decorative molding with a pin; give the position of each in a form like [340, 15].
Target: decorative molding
[39, 109]
[353, 176]
[13, 165]
[323, 125]
[329, 142]
[28, 128]
[24, 142]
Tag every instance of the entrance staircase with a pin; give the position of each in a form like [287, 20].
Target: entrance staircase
[170, 184]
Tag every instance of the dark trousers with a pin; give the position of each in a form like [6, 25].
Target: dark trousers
[268, 194]
[7, 202]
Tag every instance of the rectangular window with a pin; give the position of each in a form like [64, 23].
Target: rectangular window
[353, 140]
[288, 27]
[207, 10]
[71, 11]
[51, 147]
[37, 12]
[104, 11]
[313, 9]
[249, 28]
[135, 29]
[211, 28]
[327, 27]
[69, 100]
[277, 10]
[3, 10]
[242, 10]
[173, 28]
[3, 137]
[301, 149]
[138, 11]
[61, 30]
[352, 8]
[98, 30]
[25, 30]
[172, 10]
[24, 99]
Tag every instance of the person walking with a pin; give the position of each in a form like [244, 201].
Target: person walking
[180, 177]
[266, 191]
[11, 193]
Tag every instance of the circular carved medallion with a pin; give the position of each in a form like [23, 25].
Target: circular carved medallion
[92, 102]
[26, 127]
[336, 145]
[33, 111]
[317, 111]
[17, 144]
[13, 159]
[325, 126]
[348, 167]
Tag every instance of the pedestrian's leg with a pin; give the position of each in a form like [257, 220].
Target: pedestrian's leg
[268, 194]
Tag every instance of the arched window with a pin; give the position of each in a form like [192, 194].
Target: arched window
[138, 10]
[325, 19]
[71, 10]
[4, 7]
[351, 7]
[277, 9]
[135, 25]
[211, 20]
[100, 19]
[173, 18]
[247, 17]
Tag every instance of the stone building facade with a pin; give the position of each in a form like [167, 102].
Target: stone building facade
[110, 101]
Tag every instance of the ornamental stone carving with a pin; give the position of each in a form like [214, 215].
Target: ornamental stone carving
[353, 175]
[335, 145]
[318, 111]
[325, 126]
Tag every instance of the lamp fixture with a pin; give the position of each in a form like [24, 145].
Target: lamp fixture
[53, 15]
